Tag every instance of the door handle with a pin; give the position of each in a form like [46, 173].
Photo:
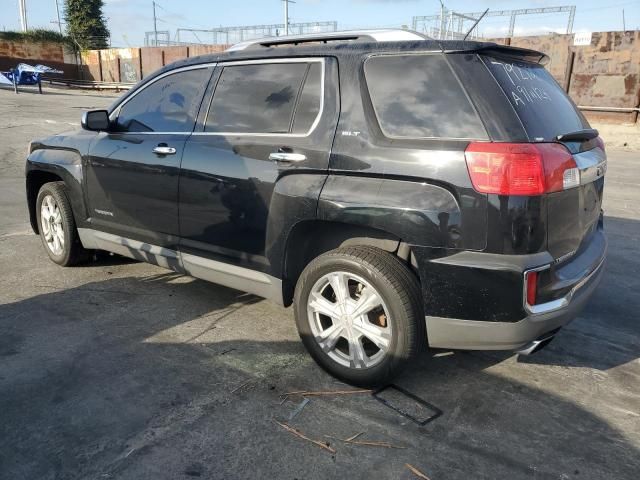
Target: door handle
[164, 149]
[282, 157]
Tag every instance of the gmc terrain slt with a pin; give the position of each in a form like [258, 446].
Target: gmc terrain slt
[398, 191]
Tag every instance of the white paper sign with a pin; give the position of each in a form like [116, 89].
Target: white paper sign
[582, 38]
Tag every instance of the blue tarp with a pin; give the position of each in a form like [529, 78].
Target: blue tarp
[25, 74]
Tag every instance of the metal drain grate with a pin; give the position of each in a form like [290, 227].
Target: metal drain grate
[407, 404]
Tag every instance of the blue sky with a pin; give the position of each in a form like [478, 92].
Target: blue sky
[129, 19]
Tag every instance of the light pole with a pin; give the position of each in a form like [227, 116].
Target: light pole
[58, 13]
[442, 20]
[155, 26]
[23, 15]
[286, 15]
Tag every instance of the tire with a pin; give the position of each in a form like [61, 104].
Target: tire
[360, 349]
[58, 228]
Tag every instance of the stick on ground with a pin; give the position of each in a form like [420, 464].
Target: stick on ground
[366, 443]
[241, 386]
[416, 472]
[306, 393]
[353, 437]
[299, 434]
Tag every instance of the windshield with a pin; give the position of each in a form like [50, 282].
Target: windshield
[542, 105]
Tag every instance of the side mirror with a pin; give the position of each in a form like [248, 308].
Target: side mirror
[96, 120]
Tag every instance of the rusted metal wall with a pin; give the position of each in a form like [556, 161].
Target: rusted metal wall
[133, 64]
[152, 59]
[109, 60]
[195, 50]
[130, 66]
[112, 65]
[173, 54]
[607, 74]
[92, 68]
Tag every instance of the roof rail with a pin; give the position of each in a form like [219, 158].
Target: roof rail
[378, 35]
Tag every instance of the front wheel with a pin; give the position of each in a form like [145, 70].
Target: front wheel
[358, 313]
[57, 226]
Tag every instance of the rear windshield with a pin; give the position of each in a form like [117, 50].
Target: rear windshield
[542, 105]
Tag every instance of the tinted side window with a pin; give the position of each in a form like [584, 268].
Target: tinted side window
[309, 103]
[418, 96]
[256, 98]
[167, 105]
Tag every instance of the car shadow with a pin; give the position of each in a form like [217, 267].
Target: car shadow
[170, 377]
[100, 258]
[604, 336]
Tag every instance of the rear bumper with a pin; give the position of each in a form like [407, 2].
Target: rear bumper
[461, 334]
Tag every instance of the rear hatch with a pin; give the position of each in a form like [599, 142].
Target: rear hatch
[548, 115]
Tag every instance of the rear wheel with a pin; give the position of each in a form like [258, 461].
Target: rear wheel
[358, 312]
[57, 227]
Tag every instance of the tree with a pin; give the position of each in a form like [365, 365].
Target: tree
[86, 24]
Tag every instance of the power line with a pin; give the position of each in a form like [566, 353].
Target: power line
[617, 5]
[179, 15]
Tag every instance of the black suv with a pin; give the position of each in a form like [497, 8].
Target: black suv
[398, 191]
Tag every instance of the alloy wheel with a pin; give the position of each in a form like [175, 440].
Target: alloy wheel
[52, 227]
[349, 320]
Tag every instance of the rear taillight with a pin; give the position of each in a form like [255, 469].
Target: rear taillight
[521, 168]
[532, 287]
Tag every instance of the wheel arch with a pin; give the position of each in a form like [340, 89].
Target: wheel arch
[55, 165]
[34, 181]
[309, 239]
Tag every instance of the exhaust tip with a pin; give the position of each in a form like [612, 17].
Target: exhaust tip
[538, 344]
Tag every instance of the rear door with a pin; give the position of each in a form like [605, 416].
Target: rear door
[132, 170]
[266, 119]
[547, 114]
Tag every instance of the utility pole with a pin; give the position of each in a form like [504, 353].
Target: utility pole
[58, 13]
[23, 15]
[286, 15]
[155, 26]
[442, 20]
[624, 24]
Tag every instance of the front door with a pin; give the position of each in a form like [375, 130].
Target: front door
[267, 119]
[133, 170]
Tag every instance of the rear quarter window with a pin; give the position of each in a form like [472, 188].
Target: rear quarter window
[544, 108]
[418, 96]
[310, 99]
